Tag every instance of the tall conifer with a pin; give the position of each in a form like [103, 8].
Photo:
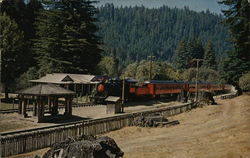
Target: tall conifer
[237, 19]
[180, 56]
[209, 56]
[66, 38]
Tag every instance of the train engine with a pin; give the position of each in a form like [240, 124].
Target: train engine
[105, 89]
[112, 87]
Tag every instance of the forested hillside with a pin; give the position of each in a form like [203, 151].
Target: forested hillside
[133, 33]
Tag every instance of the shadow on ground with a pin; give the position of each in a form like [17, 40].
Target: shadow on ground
[149, 101]
[60, 119]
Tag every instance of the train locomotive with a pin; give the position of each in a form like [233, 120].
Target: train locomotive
[152, 89]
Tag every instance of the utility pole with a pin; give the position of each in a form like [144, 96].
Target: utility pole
[197, 75]
[123, 93]
[150, 68]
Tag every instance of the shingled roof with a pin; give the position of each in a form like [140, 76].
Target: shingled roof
[45, 90]
[62, 78]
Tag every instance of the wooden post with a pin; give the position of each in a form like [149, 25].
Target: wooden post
[34, 106]
[81, 91]
[123, 94]
[56, 104]
[70, 106]
[13, 104]
[39, 119]
[49, 103]
[20, 104]
[24, 108]
[66, 106]
[42, 108]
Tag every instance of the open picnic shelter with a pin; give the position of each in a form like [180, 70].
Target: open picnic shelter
[44, 97]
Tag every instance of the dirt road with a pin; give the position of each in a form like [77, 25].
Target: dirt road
[221, 131]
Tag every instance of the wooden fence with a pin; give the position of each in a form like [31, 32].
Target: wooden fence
[13, 143]
[229, 96]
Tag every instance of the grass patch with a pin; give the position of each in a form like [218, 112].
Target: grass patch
[8, 106]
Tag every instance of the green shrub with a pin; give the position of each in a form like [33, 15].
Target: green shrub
[244, 82]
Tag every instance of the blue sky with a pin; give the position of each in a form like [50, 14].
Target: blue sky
[197, 5]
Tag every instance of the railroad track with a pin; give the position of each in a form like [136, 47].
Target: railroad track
[74, 105]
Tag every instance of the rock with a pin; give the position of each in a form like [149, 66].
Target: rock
[206, 97]
[148, 121]
[85, 147]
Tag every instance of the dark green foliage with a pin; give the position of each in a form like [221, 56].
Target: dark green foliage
[12, 55]
[180, 59]
[32, 8]
[195, 49]
[209, 57]
[108, 66]
[16, 9]
[48, 46]
[24, 15]
[234, 67]
[237, 19]
[186, 51]
[205, 75]
[137, 32]
[23, 80]
[160, 71]
[66, 38]
[244, 82]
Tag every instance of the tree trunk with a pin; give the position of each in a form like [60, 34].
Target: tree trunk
[6, 91]
[6, 95]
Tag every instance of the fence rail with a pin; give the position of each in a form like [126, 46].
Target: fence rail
[229, 96]
[13, 143]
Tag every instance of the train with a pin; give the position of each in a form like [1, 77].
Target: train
[152, 89]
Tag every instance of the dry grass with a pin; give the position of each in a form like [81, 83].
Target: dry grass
[221, 131]
[8, 106]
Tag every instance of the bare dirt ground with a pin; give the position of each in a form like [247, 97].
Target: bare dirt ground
[221, 131]
[12, 122]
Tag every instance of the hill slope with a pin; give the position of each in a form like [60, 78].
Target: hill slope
[133, 33]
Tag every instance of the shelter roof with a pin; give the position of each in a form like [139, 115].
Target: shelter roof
[46, 89]
[63, 78]
[112, 99]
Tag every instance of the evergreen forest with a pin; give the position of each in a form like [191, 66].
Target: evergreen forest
[133, 33]
[68, 36]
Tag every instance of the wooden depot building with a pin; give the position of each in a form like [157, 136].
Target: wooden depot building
[82, 84]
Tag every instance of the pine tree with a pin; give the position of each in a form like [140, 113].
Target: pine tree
[195, 49]
[66, 38]
[24, 15]
[180, 59]
[209, 56]
[16, 10]
[11, 46]
[237, 19]
[234, 67]
[48, 45]
[80, 40]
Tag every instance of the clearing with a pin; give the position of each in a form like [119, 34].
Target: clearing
[221, 131]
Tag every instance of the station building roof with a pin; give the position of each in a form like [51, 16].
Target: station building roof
[64, 78]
